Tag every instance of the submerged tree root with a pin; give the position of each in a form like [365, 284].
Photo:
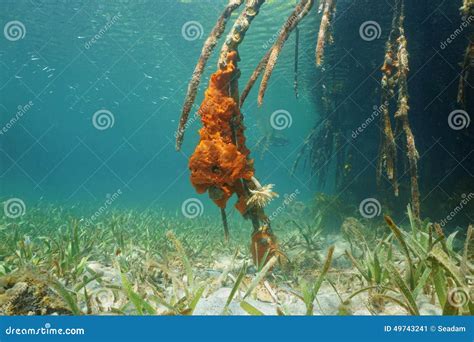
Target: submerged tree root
[395, 70]
[301, 10]
[207, 49]
[328, 7]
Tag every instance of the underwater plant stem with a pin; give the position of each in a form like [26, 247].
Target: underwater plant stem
[253, 78]
[396, 57]
[328, 13]
[467, 255]
[207, 49]
[261, 275]
[388, 149]
[300, 11]
[237, 33]
[255, 181]
[464, 76]
[252, 212]
[319, 281]
[234, 93]
[399, 236]
[297, 44]
[402, 115]
[226, 226]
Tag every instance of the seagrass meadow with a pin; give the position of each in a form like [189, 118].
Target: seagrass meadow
[236, 157]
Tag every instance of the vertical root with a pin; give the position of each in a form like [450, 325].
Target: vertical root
[207, 49]
[239, 29]
[463, 78]
[296, 16]
[297, 43]
[396, 58]
[224, 223]
[329, 7]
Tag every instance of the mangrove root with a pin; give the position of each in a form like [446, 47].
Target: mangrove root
[329, 8]
[300, 11]
[396, 58]
[240, 27]
[207, 49]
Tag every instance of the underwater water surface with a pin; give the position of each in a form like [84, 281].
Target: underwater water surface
[100, 214]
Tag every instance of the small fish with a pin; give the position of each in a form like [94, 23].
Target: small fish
[279, 141]
[147, 76]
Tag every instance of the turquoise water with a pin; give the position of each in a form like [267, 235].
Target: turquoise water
[131, 59]
[99, 213]
[138, 70]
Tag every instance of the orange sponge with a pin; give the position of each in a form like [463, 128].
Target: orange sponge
[220, 160]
